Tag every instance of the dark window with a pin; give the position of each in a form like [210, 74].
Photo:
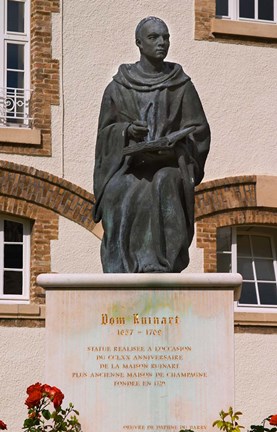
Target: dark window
[247, 9]
[222, 7]
[13, 245]
[15, 16]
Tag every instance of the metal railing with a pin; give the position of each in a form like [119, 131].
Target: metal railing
[15, 106]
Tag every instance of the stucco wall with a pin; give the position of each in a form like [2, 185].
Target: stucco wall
[22, 364]
[255, 376]
[77, 250]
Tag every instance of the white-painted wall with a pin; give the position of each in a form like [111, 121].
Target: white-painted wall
[76, 251]
[22, 364]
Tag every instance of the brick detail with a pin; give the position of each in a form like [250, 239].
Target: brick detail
[44, 78]
[204, 12]
[219, 195]
[44, 228]
[226, 202]
[47, 191]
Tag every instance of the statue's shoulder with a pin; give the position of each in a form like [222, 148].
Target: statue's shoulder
[124, 72]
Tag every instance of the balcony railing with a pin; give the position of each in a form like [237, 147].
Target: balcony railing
[15, 107]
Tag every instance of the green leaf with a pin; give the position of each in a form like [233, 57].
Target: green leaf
[28, 423]
[46, 414]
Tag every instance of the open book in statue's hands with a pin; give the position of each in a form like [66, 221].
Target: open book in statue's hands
[162, 143]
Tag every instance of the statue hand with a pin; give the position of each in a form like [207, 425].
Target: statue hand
[138, 130]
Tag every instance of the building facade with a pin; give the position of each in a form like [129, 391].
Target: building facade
[56, 59]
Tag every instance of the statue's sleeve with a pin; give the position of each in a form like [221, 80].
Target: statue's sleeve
[111, 139]
[198, 142]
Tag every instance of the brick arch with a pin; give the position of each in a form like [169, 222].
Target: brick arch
[45, 190]
[229, 202]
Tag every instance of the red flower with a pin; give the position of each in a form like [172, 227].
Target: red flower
[54, 394]
[58, 397]
[35, 395]
[273, 420]
[33, 399]
[37, 386]
[3, 425]
[46, 389]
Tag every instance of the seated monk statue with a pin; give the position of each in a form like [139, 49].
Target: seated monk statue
[153, 140]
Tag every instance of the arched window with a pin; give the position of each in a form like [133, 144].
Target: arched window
[250, 251]
[14, 259]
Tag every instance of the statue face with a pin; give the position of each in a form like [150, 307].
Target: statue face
[153, 40]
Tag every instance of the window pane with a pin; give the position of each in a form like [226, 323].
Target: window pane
[13, 256]
[265, 10]
[15, 16]
[245, 268]
[268, 293]
[264, 270]
[261, 246]
[15, 79]
[224, 263]
[223, 239]
[15, 56]
[222, 7]
[243, 245]
[248, 293]
[12, 282]
[13, 231]
[247, 8]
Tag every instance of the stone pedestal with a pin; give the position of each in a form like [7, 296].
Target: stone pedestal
[144, 352]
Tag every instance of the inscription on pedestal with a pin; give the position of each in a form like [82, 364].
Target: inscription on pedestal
[147, 360]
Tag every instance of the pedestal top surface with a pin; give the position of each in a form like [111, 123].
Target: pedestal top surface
[141, 281]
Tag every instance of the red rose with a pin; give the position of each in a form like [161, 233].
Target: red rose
[54, 394]
[47, 389]
[33, 398]
[58, 398]
[37, 386]
[3, 425]
[273, 420]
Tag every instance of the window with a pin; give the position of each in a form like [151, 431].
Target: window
[250, 251]
[14, 260]
[15, 63]
[250, 10]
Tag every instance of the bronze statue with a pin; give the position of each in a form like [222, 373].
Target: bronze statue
[152, 144]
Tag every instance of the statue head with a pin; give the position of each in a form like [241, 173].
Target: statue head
[152, 38]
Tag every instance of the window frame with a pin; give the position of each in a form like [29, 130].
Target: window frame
[20, 38]
[257, 231]
[233, 9]
[23, 298]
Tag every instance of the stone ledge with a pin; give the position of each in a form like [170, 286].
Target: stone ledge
[241, 28]
[188, 281]
[264, 319]
[22, 311]
[20, 136]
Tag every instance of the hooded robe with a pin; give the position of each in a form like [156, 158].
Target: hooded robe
[146, 200]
